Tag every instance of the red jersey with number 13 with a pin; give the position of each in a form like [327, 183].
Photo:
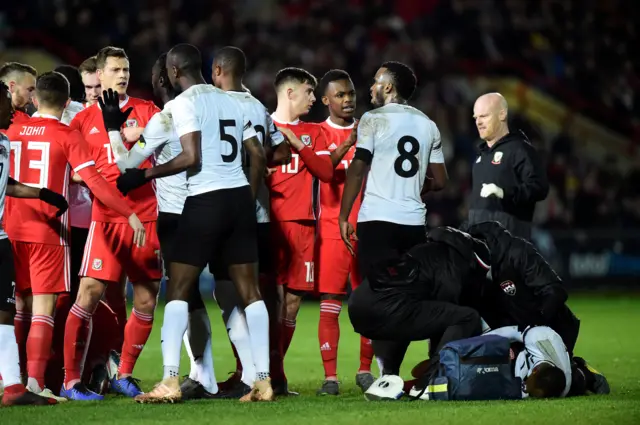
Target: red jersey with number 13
[291, 186]
[89, 122]
[330, 196]
[43, 153]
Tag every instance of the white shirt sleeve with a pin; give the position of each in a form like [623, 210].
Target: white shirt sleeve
[275, 137]
[185, 116]
[157, 132]
[248, 131]
[366, 132]
[436, 156]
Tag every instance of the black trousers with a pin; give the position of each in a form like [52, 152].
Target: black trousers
[380, 240]
[78, 240]
[393, 320]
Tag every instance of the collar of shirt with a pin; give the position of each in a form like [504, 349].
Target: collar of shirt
[339, 127]
[39, 115]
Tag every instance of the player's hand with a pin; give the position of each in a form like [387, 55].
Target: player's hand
[139, 234]
[292, 139]
[131, 134]
[353, 137]
[348, 234]
[112, 116]
[491, 189]
[55, 199]
[268, 171]
[132, 178]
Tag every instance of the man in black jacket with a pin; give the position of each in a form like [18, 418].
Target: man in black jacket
[524, 290]
[508, 176]
[417, 296]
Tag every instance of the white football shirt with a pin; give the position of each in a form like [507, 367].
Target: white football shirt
[268, 135]
[223, 126]
[5, 150]
[541, 344]
[403, 142]
[160, 140]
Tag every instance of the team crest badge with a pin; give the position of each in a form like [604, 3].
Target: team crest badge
[132, 123]
[97, 264]
[497, 157]
[306, 139]
[508, 287]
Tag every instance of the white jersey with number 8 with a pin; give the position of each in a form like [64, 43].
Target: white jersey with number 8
[224, 127]
[403, 142]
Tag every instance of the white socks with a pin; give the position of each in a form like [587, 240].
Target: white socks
[198, 343]
[174, 326]
[9, 359]
[258, 324]
[239, 336]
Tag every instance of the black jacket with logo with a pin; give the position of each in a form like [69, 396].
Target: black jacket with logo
[513, 165]
[524, 290]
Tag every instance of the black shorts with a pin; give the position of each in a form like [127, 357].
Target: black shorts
[78, 241]
[380, 240]
[265, 256]
[167, 228]
[217, 226]
[7, 278]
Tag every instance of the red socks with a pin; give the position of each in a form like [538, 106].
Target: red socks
[76, 341]
[105, 322]
[366, 354]
[22, 324]
[329, 335]
[136, 334]
[55, 368]
[39, 347]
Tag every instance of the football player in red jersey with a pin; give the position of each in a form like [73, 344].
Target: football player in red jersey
[44, 151]
[21, 80]
[92, 88]
[12, 390]
[109, 251]
[291, 190]
[334, 266]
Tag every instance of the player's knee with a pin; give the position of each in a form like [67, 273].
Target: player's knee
[90, 293]
[44, 304]
[332, 297]
[292, 306]
[144, 300]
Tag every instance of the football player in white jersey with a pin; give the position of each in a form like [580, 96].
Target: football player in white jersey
[218, 218]
[12, 390]
[396, 145]
[229, 67]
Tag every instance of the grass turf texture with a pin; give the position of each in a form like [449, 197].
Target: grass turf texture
[608, 339]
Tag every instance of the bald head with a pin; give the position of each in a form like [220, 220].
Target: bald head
[490, 113]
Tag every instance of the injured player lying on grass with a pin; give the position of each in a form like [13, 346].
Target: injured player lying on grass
[501, 364]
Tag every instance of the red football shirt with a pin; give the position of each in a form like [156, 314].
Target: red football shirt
[291, 186]
[43, 153]
[330, 194]
[19, 116]
[91, 126]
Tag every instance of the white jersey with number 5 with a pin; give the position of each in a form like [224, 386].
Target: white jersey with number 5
[267, 134]
[5, 149]
[403, 142]
[223, 126]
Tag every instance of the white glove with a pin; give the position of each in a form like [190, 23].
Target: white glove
[491, 189]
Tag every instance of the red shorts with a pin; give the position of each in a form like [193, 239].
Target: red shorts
[109, 251]
[41, 268]
[293, 242]
[335, 266]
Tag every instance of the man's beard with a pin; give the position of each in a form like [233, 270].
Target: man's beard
[378, 99]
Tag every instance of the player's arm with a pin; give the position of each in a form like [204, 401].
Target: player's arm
[15, 189]
[153, 137]
[533, 184]
[319, 166]
[341, 151]
[437, 175]
[276, 151]
[257, 161]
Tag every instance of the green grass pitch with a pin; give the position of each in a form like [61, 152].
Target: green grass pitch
[609, 339]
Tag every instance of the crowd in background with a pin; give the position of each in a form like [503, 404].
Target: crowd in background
[578, 50]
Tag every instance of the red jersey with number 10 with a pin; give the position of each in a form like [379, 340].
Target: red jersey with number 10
[89, 122]
[43, 153]
[330, 196]
[291, 185]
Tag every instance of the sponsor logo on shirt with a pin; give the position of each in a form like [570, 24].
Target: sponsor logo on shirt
[306, 139]
[508, 287]
[97, 264]
[497, 157]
